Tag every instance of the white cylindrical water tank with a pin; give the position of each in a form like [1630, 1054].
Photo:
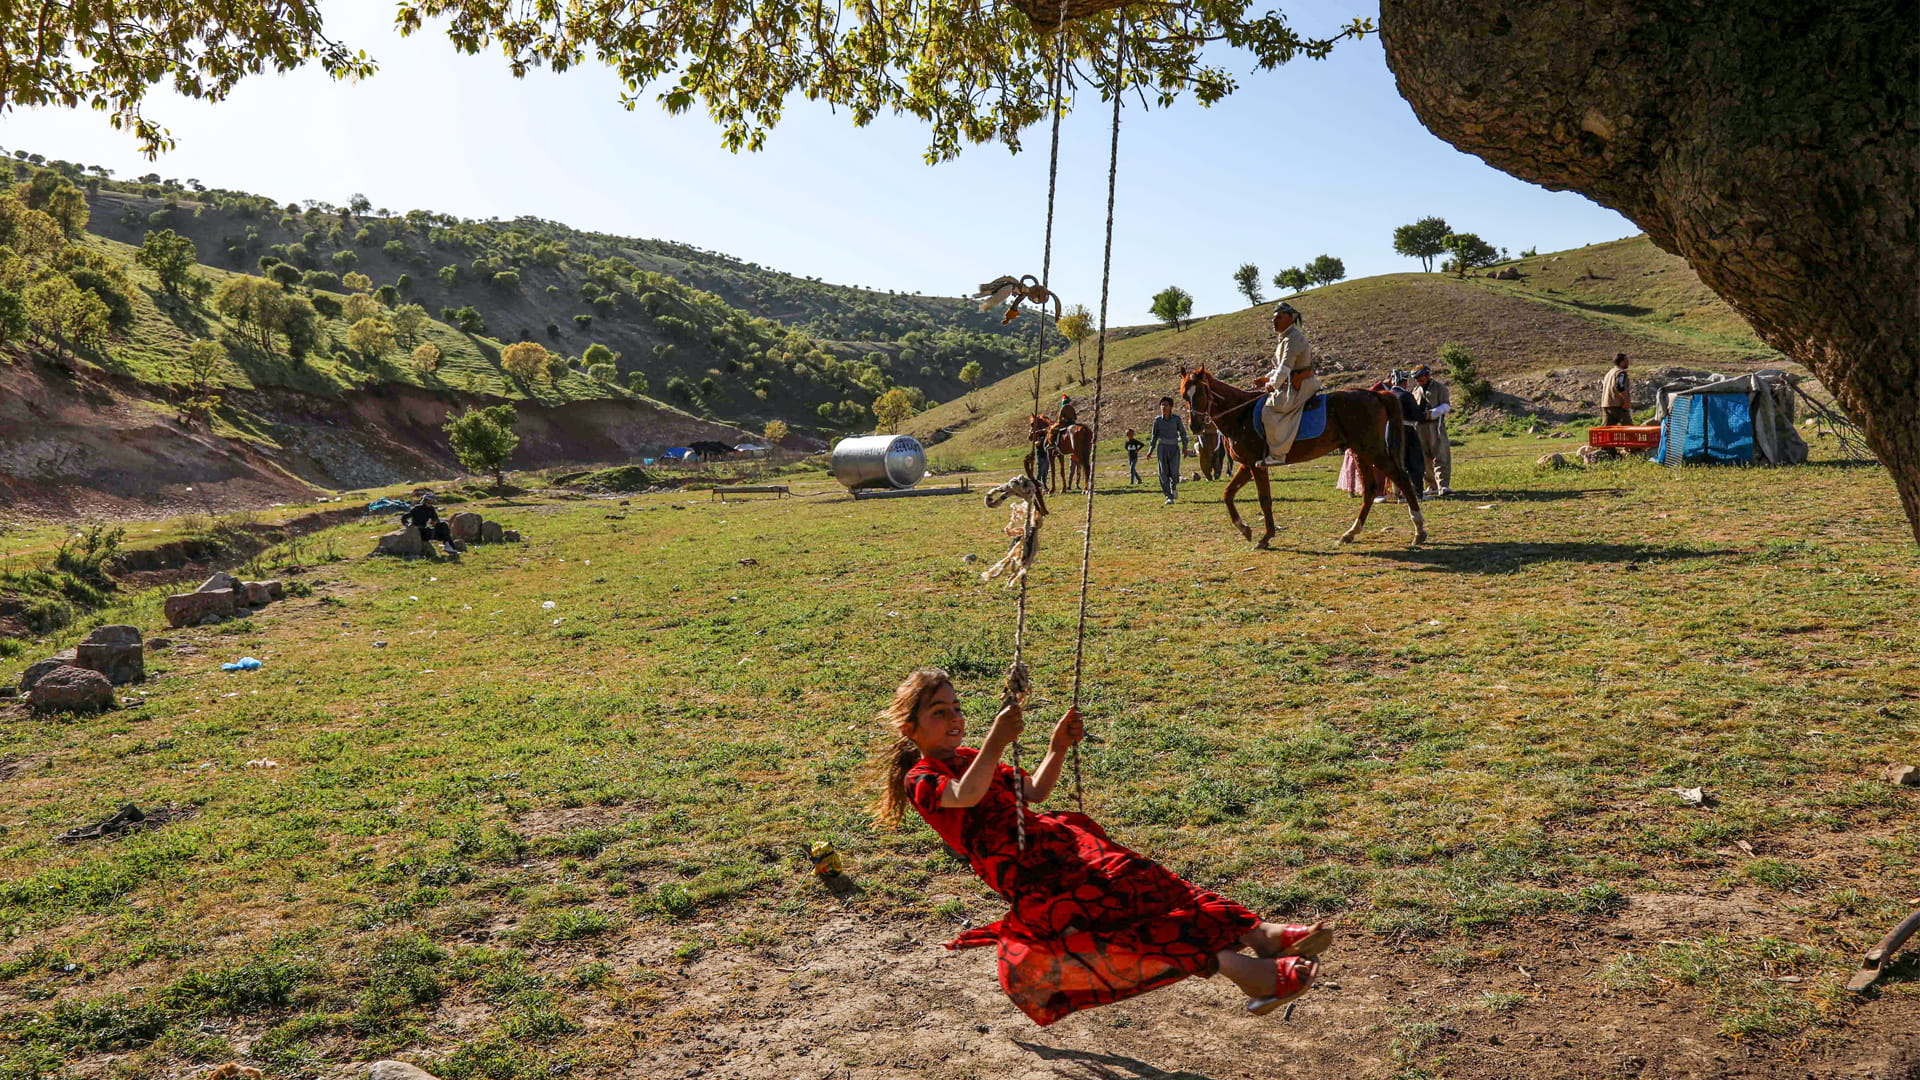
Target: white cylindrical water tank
[879, 461]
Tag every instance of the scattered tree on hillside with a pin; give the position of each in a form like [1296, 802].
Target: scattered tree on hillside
[361, 306]
[61, 313]
[285, 274]
[449, 275]
[637, 381]
[1466, 381]
[483, 440]
[409, 321]
[13, 316]
[371, 338]
[1077, 326]
[775, 432]
[55, 195]
[387, 295]
[465, 317]
[1325, 270]
[171, 257]
[893, 408]
[1247, 280]
[356, 282]
[1469, 252]
[204, 358]
[359, 204]
[526, 361]
[597, 354]
[1292, 278]
[345, 259]
[327, 305]
[603, 373]
[970, 374]
[1425, 240]
[257, 304]
[1173, 305]
[426, 358]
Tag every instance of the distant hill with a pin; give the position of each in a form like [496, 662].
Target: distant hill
[1542, 340]
[716, 336]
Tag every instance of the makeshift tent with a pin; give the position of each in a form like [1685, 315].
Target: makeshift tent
[750, 448]
[1743, 420]
[679, 453]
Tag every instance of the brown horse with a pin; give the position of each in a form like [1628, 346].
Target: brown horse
[1072, 449]
[1207, 445]
[1363, 421]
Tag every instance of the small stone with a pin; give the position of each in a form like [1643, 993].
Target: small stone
[242, 612]
[113, 635]
[509, 536]
[397, 1070]
[379, 644]
[490, 532]
[749, 562]
[121, 664]
[969, 558]
[258, 594]
[1908, 775]
[464, 526]
[276, 589]
[213, 618]
[37, 670]
[188, 609]
[1694, 796]
[71, 689]
[219, 582]
[159, 643]
[405, 543]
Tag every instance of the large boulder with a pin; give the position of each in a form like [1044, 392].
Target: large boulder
[113, 651]
[71, 689]
[465, 526]
[37, 669]
[188, 609]
[258, 594]
[405, 543]
[276, 589]
[491, 532]
[219, 582]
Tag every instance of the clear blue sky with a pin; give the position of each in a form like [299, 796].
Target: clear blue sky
[1313, 157]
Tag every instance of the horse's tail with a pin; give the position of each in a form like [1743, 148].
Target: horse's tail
[1396, 430]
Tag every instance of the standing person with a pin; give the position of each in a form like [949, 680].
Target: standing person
[1089, 922]
[1414, 457]
[1432, 395]
[1134, 446]
[425, 517]
[1168, 442]
[1616, 393]
[1291, 384]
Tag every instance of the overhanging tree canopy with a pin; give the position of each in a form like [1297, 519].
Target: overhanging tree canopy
[975, 70]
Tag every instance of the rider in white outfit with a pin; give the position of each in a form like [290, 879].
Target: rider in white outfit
[1292, 384]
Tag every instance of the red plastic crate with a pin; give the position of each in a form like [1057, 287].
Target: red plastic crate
[1625, 437]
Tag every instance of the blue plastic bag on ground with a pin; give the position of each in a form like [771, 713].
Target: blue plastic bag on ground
[245, 663]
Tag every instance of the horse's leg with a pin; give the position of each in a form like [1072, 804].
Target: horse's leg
[1369, 487]
[1240, 477]
[1263, 482]
[1410, 490]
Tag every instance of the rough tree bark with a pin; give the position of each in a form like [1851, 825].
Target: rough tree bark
[1773, 144]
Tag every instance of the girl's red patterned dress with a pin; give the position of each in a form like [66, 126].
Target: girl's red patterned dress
[1091, 921]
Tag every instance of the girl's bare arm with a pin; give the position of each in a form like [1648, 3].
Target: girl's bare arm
[973, 784]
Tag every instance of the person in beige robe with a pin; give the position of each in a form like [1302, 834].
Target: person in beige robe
[1433, 394]
[1290, 385]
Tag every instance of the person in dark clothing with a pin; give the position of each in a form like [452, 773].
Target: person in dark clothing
[1134, 446]
[1169, 444]
[1411, 414]
[425, 517]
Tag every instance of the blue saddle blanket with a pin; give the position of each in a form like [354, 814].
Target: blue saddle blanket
[1313, 417]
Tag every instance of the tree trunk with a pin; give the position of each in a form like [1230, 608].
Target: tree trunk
[1773, 144]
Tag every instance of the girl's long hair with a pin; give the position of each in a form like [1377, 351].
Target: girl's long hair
[899, 715]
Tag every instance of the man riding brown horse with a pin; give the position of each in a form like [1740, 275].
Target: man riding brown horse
[1360, 420]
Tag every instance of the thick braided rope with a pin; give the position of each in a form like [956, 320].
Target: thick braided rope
[1018, 682]
[1099, 376]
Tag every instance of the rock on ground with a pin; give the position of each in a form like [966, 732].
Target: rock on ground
[218, 582]
[397, 1070]
[509, 536]
[121, 664]
[37, 670]
[465, 526]
[405, 543]
[490, 532]
[71, 689]
[257, 594]
[188, 609]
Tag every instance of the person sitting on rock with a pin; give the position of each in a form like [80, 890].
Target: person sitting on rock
[425, 517]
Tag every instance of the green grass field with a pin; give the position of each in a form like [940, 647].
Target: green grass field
[506, 840]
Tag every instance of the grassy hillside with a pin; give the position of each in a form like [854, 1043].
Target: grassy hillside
[1543, 339]
[448, 824]
[718, 336]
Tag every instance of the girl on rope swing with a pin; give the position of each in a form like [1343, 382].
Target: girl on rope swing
[1091, 922]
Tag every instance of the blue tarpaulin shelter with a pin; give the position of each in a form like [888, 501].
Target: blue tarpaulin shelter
[679, 453]
[1744, 420]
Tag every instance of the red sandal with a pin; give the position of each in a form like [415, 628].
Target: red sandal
[1292, 976]
[1301, 941]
